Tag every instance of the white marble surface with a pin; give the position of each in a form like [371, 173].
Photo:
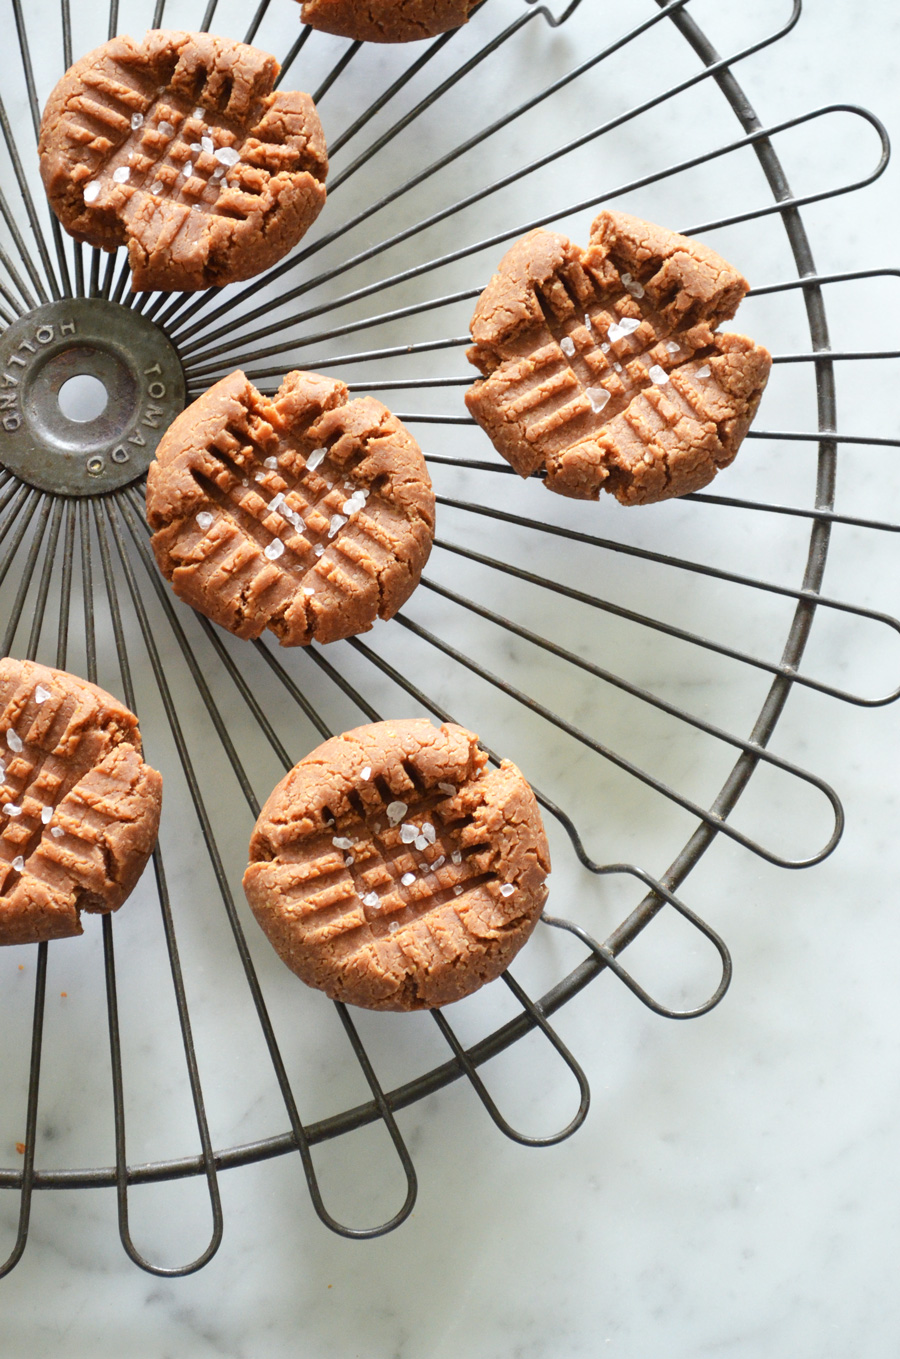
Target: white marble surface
[734, 1191]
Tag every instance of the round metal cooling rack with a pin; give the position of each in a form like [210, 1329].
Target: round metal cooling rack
[501, 635]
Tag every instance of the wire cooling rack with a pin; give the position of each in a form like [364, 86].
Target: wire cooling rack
[568, 635]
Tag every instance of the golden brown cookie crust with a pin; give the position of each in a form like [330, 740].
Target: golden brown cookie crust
[394, 870]
[603, 366]
[306, 513]
[179, 147]
[79, 808]
[386, 20]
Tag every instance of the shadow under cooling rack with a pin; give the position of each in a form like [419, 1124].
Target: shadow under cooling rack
[563, 641]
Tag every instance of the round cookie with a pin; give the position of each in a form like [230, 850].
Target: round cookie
[79, 808]
[603, 366]
[179, 147]
[306, 513]
[394, 870]
[386, 20]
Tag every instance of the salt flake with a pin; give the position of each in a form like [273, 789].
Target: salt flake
[92, 191]
[448, 789]
[187, 170]
[370, 899]
[277, 503]
[673, 346]
[619, 329]
[366, 774]
[316, 458]
[14, 740]
[57, 832]
[137, 120]
[13, 809]
[157, 188]
[456, 857]
[598, 397]
[428, 832]
[396, 812]
[41, 694]
[658, 375]
[408, 879]
[198, 113]
[408, 832]
[420, 843]
[567, 345]
[341, 842]
[319, 551]
[507, 889]
[18, 864]
[588, 322]
[438, 863]
[337, 522]
[704, 372]
[226, 155]
[457, 891]
[632, 286]
[205, 519]
[166, 129]
[196, 148]
[206, 144]
[308, 590]
[46, 815]
[393, 927]
[122, 174]
[275, 550]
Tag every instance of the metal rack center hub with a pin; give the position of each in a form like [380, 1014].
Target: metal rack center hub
[138, 368]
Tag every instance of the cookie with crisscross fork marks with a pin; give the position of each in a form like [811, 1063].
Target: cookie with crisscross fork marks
[306, 513]
[603, 366]
[79, 808]
[386, 20]
[393, 869]
[179, 147]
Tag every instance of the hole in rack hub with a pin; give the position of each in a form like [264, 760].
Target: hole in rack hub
[83, 398]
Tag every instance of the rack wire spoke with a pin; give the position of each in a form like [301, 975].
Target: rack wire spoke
[100, 527]
[481, 1090]
[801, 595]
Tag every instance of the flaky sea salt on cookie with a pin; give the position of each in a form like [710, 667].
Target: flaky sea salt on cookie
[306, 513]
[394, 869]
[179, 147]
[79, 808]
[386, 20]
[603, 367]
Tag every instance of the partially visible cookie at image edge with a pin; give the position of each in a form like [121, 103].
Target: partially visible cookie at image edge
[79, 808]
[603, 366]
[386, 20]
[307, 513]
[392, 868]
[179, 146]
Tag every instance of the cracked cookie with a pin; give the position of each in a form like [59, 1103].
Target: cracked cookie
[393, 869]
[79, 808]
[386, 20]
[306, 513]
[603, 368]
[179, 147]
